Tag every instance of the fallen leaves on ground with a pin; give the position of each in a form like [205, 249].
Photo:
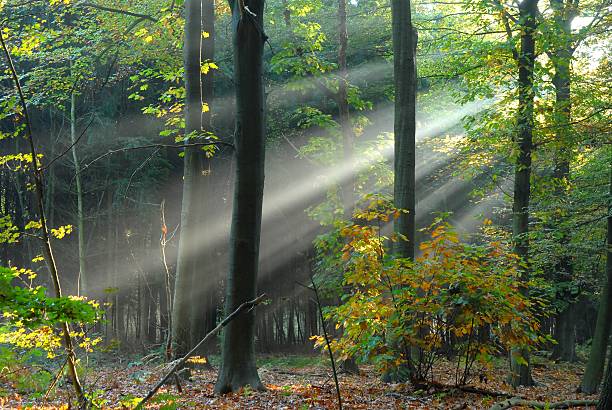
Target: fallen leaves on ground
[308, 388]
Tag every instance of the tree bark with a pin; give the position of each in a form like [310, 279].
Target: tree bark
[521, 373]
[597, 357]
[82, 277]
[404, 38]
[348, 138]
[564, 13]
[238, 367]
[404, 69]
[204, 301]
[187, 263]
[605, 398]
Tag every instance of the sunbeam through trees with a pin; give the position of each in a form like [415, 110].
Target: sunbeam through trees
[297, 204]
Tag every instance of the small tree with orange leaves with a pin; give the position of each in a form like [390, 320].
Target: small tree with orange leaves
[405, 315]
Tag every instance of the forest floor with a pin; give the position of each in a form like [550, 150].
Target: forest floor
[300, 382]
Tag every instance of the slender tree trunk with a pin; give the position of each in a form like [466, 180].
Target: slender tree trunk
[238, 366]
[348, 137]
[348, 185]
[187, 263]
[563, 14]
[37, 175]
[521, 373]
[599, 345]
[50, 193]
[203, 317]
[82, 277]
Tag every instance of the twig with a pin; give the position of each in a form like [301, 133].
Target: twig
[118, 11]
[179, 363]
[331, 355]
[58, 375]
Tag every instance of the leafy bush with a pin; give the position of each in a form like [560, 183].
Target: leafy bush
[401, 314]
[24, 371]
[29, 316]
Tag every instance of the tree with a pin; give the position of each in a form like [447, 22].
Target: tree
[528, 9]
[605, 397]
[204, 300]
[404, 183]
[564, 14]
[599, 346]
[187, 263]
[344, 119]
[404, 69]
[238, 367]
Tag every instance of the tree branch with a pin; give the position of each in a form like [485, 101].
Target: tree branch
[118, 11]
[115, 151]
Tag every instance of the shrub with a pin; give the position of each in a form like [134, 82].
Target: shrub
[402, 315]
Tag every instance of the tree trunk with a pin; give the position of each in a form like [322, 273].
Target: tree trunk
[605, 397]
[565, 348]
[348, 184]
[599, 345]
[238, 367]
[82, 277]
[565, 335]
[404, 38]
[404, 70]
[521, 373]
[187, 263]
[348, 138]
[204, 306]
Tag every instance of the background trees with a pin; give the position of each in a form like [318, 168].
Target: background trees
[507, 121]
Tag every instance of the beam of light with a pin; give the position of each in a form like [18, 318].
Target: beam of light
[469, 220]
[283, 199]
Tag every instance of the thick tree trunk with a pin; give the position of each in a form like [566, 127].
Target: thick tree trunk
[599, 345]
[605, 398]
[521, 373]
[187, 263]
[565, 334]
[404, 69]
[238, 367]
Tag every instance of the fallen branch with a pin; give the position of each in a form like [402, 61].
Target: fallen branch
[510, 403]
[476, 390]
[181, 362]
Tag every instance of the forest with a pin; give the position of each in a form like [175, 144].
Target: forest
[306, 204]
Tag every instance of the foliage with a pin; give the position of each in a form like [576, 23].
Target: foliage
[25, 371]
[397, 313]
[29, 315]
